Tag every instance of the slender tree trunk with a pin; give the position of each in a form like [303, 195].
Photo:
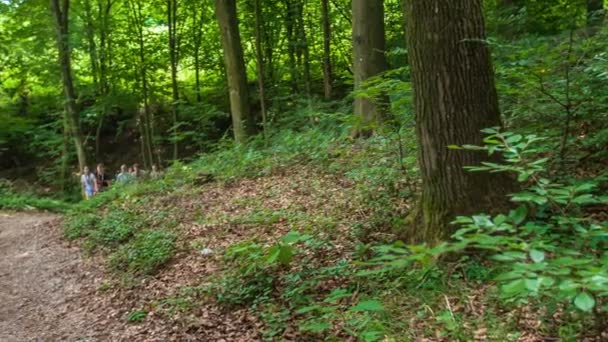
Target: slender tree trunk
[103, 9]
[327, 73]
[92, 46]
[260, 60]
[291, 44]
[594, 8]
[144, 120]
[242, 120]
[455, 97]
[369, 59]
[173, 53]
[198, 17]
[303, 48]
[60, 11]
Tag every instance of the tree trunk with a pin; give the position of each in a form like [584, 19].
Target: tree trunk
[455, 97]
[104, 8]
[291, 44]
[327, 73]
[594, 15]
[198, 17]
[303, 48]
[144, 120]
[368, 58]
[92, 46]
[60, 12]
[260, 60]
[173, 56]
[242, 120]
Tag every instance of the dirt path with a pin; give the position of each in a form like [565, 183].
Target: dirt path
[44, 284]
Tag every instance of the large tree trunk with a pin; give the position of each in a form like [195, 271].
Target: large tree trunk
[60, 12]
[260, 60]
[368, 58]
[455, 97]
[327, 74]
[173, 56]
[242, 120]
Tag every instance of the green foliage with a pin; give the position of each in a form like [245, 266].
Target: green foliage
[549, 251]
[14, 200]
[148, 250]
[137, 316]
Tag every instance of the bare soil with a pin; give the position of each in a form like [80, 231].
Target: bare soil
[44, 283]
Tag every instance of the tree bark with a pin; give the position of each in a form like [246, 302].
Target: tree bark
[242, 120]
[292, 43]
[368, 58]
[327, 72]
[60, 11]
[454, 97]
[260, 60]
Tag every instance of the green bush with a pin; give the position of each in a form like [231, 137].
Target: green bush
[149, 250]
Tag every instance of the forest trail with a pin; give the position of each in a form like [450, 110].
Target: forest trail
[44, 284]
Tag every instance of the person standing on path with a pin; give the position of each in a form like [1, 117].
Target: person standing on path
[87, 179]
[101, 178]
[124, 176]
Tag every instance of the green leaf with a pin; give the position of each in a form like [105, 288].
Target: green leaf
[315, 326]
[285, 254]
[368, 305]
[537, 256]
[584, 301]
[518, 215]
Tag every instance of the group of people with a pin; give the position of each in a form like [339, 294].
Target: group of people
[98, 181]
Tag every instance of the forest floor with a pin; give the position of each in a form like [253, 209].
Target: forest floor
[45, 284]
[50, 292]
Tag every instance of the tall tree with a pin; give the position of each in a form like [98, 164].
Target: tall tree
[259, 55]
[173, 57]
[60, 11]
[368, 57]
[455, 97]
[242, 120]
[137, 22]
[327, 72]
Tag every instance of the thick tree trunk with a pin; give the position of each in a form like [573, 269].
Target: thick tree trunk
[368, 58]
[242, 120]
[60, 12]
[260, 60]
[455, 97]
[173, 56]
[327, 73]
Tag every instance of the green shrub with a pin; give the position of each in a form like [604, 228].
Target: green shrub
[149, 250]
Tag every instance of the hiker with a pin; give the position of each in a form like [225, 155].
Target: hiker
[155, 173]
[137, 173]
[87, 179]
[101, 178]
[125, 175]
